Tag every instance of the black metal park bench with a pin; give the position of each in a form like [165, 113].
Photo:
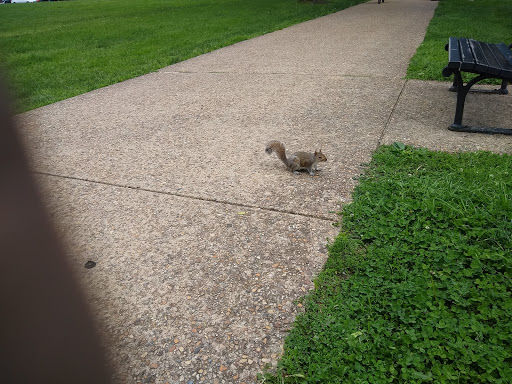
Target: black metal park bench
[488, 61]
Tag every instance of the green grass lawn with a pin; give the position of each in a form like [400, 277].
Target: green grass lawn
[55, 50]
[418, 284]
[485, 20]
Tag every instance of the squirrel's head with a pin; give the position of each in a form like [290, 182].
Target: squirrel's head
[319, 156]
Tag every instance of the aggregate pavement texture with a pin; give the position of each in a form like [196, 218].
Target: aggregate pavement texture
[202, 242]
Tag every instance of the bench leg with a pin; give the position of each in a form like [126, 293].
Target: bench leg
[454, 86]
[462, 91]
[503, 89]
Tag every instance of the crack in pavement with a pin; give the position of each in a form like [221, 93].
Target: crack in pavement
[192, 197]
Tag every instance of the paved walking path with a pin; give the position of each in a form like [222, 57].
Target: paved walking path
[202, 241]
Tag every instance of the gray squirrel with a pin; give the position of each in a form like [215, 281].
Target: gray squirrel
[297, 161]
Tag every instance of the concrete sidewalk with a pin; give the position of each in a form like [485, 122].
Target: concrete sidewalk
[202, 241]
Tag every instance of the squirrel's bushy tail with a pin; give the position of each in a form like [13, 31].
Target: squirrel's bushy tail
[278, 148]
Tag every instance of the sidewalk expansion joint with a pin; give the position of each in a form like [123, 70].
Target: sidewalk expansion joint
[305, 74]
[185, 196]
[388, 120]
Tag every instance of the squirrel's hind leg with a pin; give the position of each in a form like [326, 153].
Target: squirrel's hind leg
[294, 164]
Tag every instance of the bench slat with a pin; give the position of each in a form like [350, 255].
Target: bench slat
[454, 58]
[507, 55]
[494, 66]
[506, 68]
[505, 51]
[467, 62]
[481, 62]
